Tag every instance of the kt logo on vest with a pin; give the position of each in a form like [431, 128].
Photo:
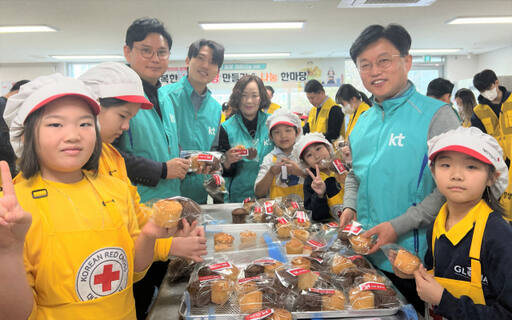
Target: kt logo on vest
[104, 272]
[396, 140]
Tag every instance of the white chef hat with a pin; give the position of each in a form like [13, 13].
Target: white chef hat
[473, 142]
[116, 80]
[284, 116]
[35, 95]
[307, 140]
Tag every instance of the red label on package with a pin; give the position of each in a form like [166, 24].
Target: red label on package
[247, 200]
[301, 216]
[205, 157]
[260, 314]
[241, 152]
[244, 280]
[321, 291]
[209, 278]
[220, 266]
[332, 225]
[315, 243]
[355, 257]
[264, 261]
[295, 205]
[257, 209]
[319, 260]
[353, 228]
[372, 286]
[339, 166]
[297, 271]
[218, 179]
[269, 209]
[282, 220]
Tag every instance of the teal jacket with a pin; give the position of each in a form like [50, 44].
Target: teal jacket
[389, 152]
[156, 139]
[196, 131]
[242, 184]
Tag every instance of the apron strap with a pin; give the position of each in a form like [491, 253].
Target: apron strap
[475, 249]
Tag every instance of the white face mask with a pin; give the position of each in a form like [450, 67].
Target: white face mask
[347, 109]
[490, 94]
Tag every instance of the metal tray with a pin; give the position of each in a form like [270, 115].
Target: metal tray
[262, 230]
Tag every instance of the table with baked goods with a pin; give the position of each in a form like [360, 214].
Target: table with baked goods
[251, 269]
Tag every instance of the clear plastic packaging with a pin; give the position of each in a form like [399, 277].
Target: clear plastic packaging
[352, 233]
[203, 160]
[401, 259]
[168, 212]
[215, 186]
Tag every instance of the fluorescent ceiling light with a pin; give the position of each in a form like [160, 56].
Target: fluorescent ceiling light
[19, 29]
[480, 20]
[252, 25]
[418, 51]
[257, 55]
[90, 58]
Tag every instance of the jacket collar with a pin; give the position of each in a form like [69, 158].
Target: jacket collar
[482, 100]
[463, 227]
[189, 89]
[398, 100]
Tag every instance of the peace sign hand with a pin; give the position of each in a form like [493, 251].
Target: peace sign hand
[14, 221]
[318, 185]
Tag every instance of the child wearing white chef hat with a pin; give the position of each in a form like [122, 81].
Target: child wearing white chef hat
[280, 174]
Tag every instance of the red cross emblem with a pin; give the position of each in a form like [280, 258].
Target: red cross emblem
[106, 278]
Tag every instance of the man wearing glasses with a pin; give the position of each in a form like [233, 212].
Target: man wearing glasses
[197, 113]
[390, 189]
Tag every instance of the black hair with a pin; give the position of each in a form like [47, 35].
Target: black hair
[313, 86]
[225, 106]
[468, 103]
[347, 92]
[140, 28]
[18, 84]
[491, 200]
[236, 96]
[29, 161]
[394, 33]
[111, 102]
[484, 80]
[217, 48]
[439, 87]
[270, 89]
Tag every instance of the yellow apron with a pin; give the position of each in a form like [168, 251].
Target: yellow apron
[278, 191]
[335, 202]
[273, 107]
[458, 288]
[355, 116]
[96, 277]
[501, 129]
[319, 124]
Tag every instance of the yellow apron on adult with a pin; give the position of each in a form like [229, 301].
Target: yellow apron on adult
[273, 107]
[83, 273]
[112, 163]
[278, 191]
[355, 116]
[319, 124]
[472, 289]
[501, 129]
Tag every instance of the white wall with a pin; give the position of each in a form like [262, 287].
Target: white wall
[13, 72]
[461, 67]
[500, 61]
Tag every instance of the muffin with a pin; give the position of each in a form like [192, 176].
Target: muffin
[223, 241]
[238, 215]
[360, 299]
[167, 213]
[300, 234]
[406, 262]
[200, 293]
[254, 270]
[301, 262]
[360, 244]
[221, 290]
[294, 246]
[307, 280]
[340, 263]
[271, 268]
[250, 301]
[247, 239]
[335, 301]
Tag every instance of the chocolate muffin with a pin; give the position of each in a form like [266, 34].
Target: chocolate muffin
[254, 270]
[205, 271]
[200, 293]
[386, 298]
[347, 277]
[238, 215]
[309, 301]
[360, 262]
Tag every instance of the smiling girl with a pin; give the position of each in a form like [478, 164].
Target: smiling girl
[84, 247]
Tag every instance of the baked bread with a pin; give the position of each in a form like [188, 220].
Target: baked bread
[406, 262]
[334, 301]
[307, 280]
[247, 239]
[167, 213]
[301, 262]
[360, 299]
[250, 301]
[223, 241]
[221, 290]
[340, 263]
[294, 246]
[360, 244]
[300, 234]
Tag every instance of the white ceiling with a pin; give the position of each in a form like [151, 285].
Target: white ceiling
[89, 27]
